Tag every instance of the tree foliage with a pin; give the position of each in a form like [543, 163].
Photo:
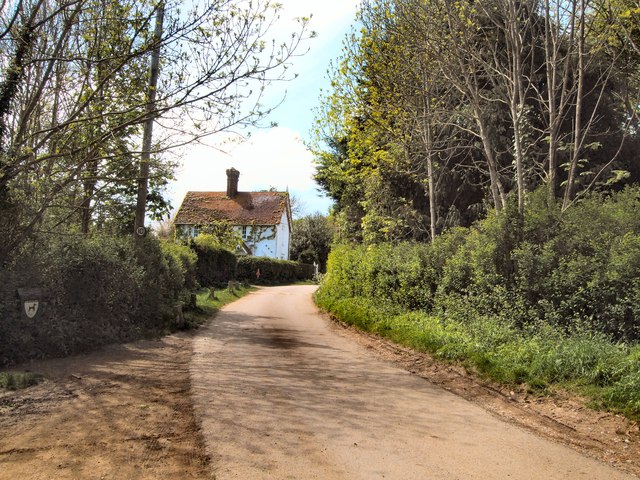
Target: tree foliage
[440, 111]
[74, 96]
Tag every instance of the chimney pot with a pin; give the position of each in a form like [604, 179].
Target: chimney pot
[232, 182]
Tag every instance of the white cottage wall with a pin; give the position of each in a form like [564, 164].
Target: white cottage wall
[282, 237]
[263, 242]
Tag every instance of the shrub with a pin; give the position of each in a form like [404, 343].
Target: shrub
[163, 283]
[187, 260]
[585, 268]
[272, 271]
[215, 265]
[407, 274]
[99, 290]
[93, 289]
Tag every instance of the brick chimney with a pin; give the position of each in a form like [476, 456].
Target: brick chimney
[232, 182]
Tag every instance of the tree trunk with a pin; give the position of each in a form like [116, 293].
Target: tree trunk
[497, 191]
[147, 136]
[569, 192]
[432, 197]
[88, 184]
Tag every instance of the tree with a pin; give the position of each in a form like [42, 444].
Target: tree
[73, 95]
[311, 239]
[219, 234]
[439, 110]
[147, 132]
[397, 122]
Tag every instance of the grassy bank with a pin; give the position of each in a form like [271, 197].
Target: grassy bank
[208, 305]
[540, 356]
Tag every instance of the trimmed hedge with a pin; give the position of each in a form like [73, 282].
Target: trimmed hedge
[272, 271]
[98, 291]
[215, 266]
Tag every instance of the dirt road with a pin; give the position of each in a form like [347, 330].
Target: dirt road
[122, 413]
[283, 393]
[281, 396]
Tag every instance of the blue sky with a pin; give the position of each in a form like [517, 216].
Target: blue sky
[277, 157]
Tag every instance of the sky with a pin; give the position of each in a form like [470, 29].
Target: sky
[277, 157]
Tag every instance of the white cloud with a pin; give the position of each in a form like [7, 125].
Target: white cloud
[270, 158]
[274, 157]
[326, 14]
[277, 157]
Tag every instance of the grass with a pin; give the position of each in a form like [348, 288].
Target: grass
[19, 380]
[540, 357]
[208, 305]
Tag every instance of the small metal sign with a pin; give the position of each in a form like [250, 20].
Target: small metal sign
[31, 308]
[32, 302]
[141, 231]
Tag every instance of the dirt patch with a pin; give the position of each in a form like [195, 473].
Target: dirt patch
[123, 412]
[564, 418]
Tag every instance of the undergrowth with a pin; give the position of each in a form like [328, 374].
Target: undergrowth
[540, 356]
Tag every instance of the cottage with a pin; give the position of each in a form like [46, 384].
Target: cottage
[263, 219]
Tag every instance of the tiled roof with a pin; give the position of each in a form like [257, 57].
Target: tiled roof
[246, 208]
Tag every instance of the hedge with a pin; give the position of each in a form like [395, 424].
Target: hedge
[98, 291]
[272, 271]
[215, 265]
[581, 266]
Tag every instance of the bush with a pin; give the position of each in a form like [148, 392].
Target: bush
[406, 275]
[545, 297]
[586, 267]
[187, 261]
[99, 290]
[580, 266]
[272, 271]
[215, 265]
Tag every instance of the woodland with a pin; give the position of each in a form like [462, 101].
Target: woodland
[483, 159]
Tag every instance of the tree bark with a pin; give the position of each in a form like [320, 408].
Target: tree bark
[147, 136]
[569, 192]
